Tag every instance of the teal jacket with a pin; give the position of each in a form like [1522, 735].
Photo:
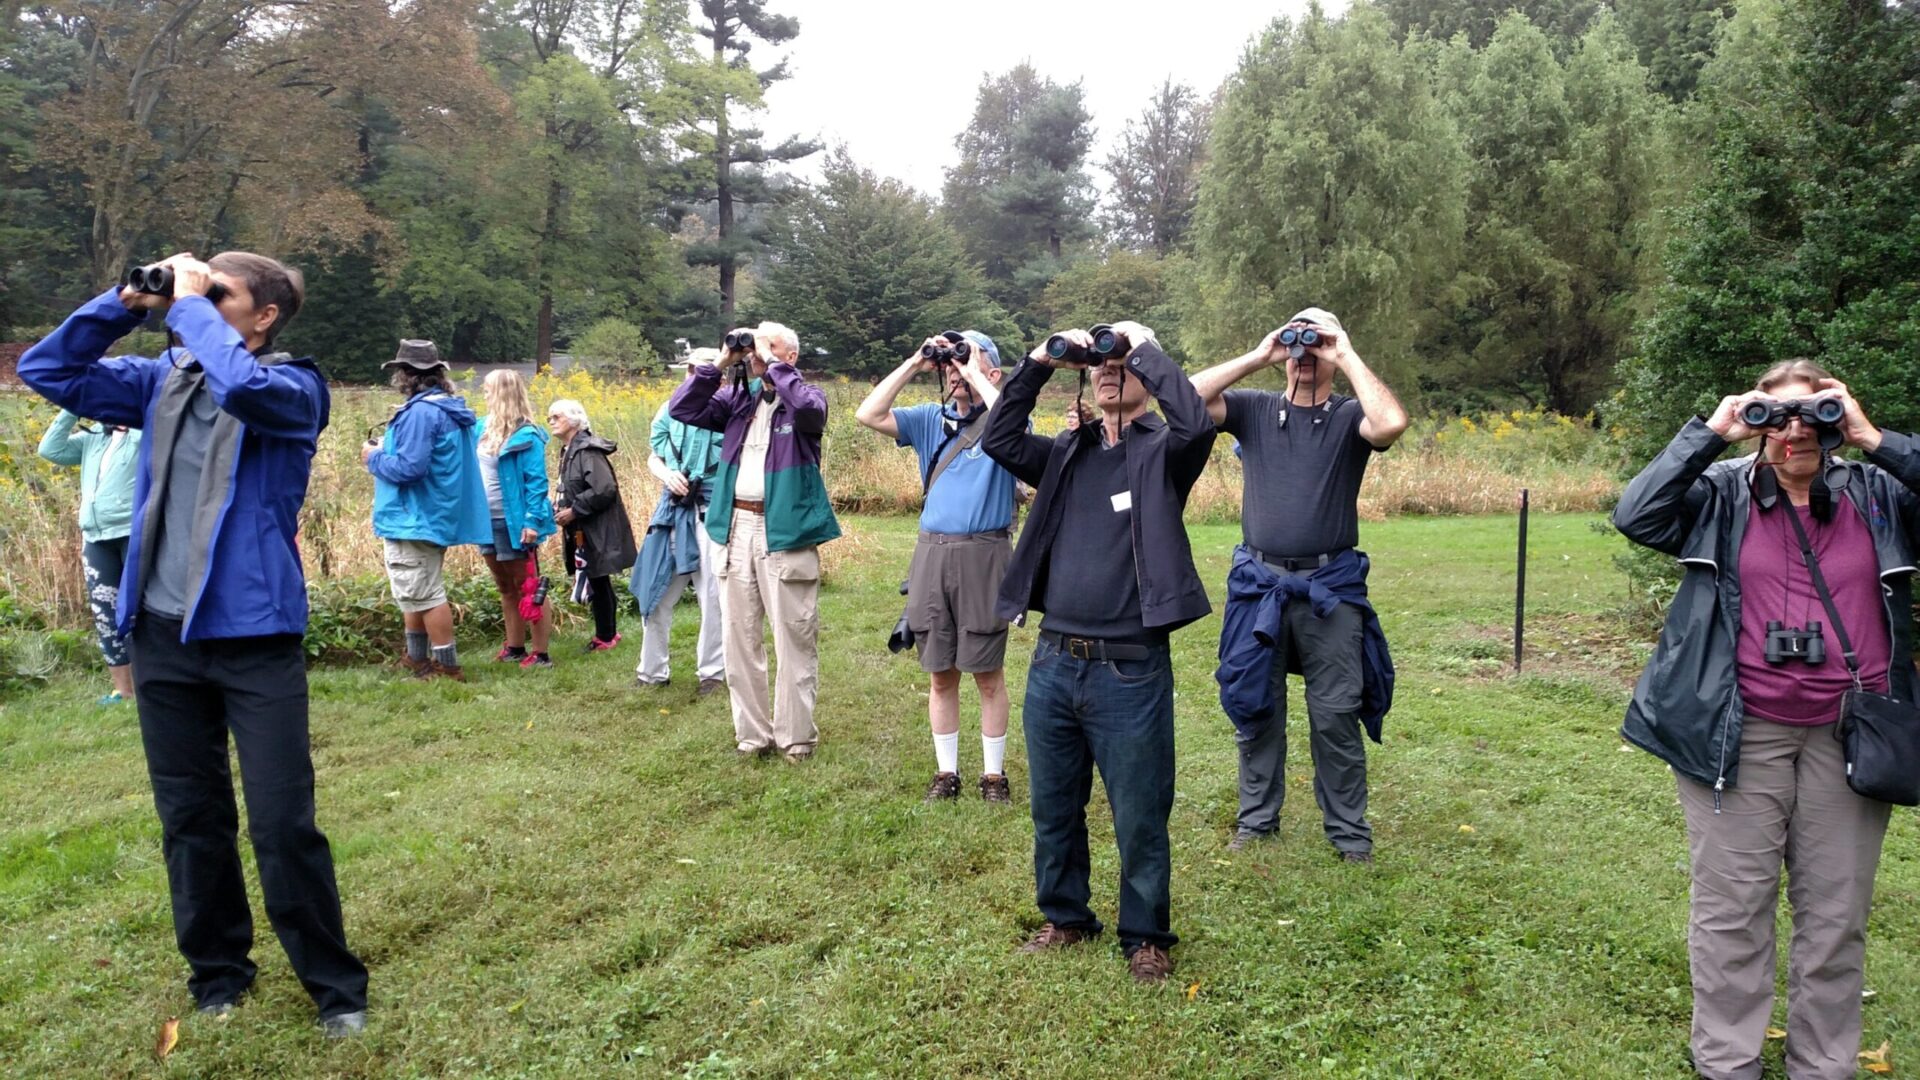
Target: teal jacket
[106, 474]
[694, 452]
[523, 482]
[426, 475]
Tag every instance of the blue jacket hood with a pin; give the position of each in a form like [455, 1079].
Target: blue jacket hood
[452, 404]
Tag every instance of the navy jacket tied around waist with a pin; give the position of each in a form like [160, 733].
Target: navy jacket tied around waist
[1257, 599]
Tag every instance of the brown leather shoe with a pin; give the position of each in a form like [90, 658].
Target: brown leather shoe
[708, 686]
[414, 668]
[994, 788]
[1050, 936]
[1149, 964]
[945, 787]
[437, 670]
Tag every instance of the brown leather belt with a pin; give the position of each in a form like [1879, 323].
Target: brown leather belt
[751, 506]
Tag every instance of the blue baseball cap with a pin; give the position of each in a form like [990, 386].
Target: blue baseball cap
[984, 344]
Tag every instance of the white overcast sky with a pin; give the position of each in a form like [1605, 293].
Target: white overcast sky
[896, 80]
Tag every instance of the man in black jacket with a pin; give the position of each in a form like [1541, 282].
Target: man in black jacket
[1100, 686]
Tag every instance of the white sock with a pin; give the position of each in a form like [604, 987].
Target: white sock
[993, 752]
[946, 751]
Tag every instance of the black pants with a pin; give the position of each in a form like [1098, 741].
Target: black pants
[600, 596]
[190, 696]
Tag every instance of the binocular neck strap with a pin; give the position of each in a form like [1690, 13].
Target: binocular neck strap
[1826, 597]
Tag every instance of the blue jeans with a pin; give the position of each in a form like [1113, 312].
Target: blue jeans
[1118, 716]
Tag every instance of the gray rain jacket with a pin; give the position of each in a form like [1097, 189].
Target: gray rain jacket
[1686, 709]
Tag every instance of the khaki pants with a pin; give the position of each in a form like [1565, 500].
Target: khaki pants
[784, 588]
[1793, 806]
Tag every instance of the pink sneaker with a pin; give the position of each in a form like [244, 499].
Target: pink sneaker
[596, 645]
[534, 660]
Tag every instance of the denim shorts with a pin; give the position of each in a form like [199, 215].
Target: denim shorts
[503, 548]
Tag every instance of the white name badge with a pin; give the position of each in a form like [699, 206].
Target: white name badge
[1123, 502]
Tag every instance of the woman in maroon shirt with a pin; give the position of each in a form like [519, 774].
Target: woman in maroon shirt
[1762, 777]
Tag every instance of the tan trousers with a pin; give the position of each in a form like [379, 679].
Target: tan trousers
[1792, 807]
[783, 587]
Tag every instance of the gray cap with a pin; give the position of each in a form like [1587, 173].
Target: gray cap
[418, 354]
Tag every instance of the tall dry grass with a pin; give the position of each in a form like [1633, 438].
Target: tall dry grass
[1468, 465]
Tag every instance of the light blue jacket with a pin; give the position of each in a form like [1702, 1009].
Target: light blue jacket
[106, 474]
[524, 503]
[426, 475]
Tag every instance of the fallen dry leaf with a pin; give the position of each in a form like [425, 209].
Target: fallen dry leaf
[529, 725]
[1193, 991]
[169, 1038]
[102, 962]
[1466, 828]
[1878, 1067]
[1878, 1057]
[1776, 1033]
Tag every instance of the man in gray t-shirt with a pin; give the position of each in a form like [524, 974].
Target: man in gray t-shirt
[1303, 455]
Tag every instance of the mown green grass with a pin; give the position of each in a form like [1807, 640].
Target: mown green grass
[551, 874]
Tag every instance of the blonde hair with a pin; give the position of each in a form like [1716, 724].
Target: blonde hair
[508, 409]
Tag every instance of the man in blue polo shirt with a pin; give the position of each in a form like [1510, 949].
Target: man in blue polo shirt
[963, 549]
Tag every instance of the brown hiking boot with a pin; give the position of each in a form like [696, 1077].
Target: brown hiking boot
[414, 668]
[434, 669]
[1149, 964]
[994, 788]
[945, 787]
[1050, 936]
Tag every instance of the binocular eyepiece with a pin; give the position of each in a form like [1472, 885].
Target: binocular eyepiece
[1108, 343]
[947, 350]
[156, 279]
[1818, 411]
[737, 340]
[1298, 339]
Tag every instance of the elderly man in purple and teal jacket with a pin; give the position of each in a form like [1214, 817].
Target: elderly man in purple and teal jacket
[770, 514]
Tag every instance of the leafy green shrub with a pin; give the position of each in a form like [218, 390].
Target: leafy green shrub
[353, 619]
[614, 347]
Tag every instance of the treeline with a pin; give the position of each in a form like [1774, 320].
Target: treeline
[1572, 203]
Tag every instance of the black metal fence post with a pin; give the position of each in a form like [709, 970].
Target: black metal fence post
[1520, 590]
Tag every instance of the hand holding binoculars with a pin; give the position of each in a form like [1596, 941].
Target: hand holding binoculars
[1106, 344]
[156, 279]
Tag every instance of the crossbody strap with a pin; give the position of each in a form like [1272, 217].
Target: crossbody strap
[1826, 597]
[954, 444]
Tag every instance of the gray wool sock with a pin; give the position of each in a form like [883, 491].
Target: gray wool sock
[417, 646]
[446, 656]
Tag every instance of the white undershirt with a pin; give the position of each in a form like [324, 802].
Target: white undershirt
[751, 484]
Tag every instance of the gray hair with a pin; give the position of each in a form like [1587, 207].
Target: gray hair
[774, 334]
[570, 409]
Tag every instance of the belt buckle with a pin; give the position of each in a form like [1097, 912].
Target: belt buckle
[1080, 648]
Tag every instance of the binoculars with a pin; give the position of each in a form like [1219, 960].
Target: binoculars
[1818, 411]
[738, 339]
[1786, 643]
[1108, 343]
[947, 350]
[1298, 339]
[156, 279]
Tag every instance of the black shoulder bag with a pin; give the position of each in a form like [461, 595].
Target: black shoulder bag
[1880, 733]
